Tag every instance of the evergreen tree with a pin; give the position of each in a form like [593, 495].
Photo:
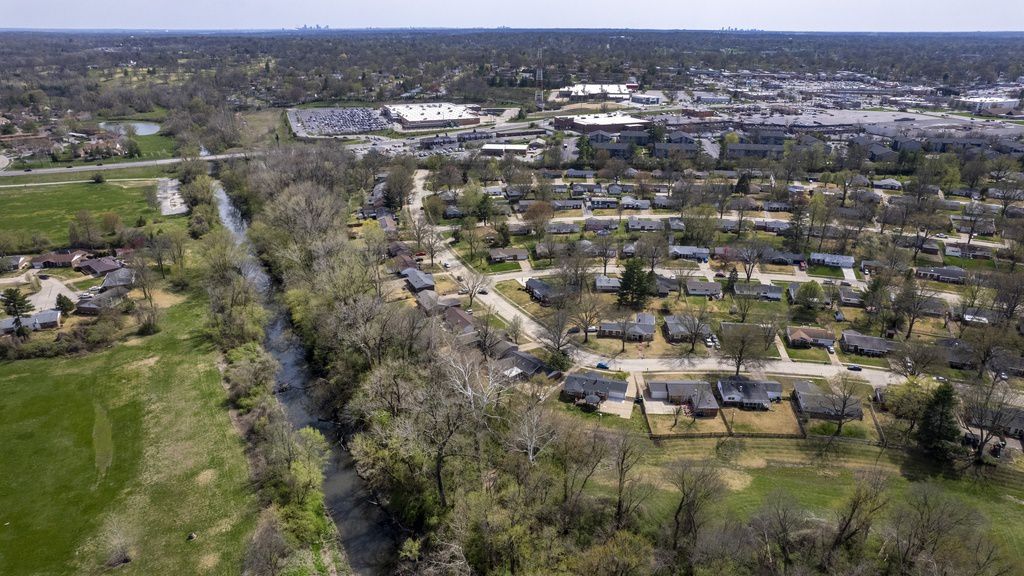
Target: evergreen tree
[17, 304]
[939, 431]
[65, 305]
[734, 277]
[635, 285]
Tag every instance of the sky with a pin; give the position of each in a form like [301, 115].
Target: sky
[788, 15]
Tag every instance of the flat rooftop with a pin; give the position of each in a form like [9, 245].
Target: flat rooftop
[439, 111]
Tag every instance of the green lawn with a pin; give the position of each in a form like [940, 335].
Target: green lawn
[808, 354]
[48, 210]
[826, 271]
[862, 360]
[76, 176]
[136, 437]
[152, 147]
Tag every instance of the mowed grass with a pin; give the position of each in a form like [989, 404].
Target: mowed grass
[134, 440]
[8, 178]
[753, 469]
[49, 209]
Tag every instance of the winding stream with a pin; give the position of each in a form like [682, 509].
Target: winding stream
[364, 529]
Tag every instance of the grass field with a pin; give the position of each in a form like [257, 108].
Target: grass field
[808, 354]
[826, 271]
[134, 440]
[755, 468]
[48, 209]
[82, 176]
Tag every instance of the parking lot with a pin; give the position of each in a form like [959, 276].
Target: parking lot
[336, 121]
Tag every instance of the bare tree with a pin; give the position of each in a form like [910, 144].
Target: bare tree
[750, 254]
[743, 347]
[628, 451]
[587, 312]
[842, 402]
[530, 428]
[924, 523]
[267, 548]
[577, 454]
[854, 518]
[475, 282]
[698, 486]
[697, 323]
[514, 330]
[418, 227]
[779, 524]
[556, 329]
[744, 305]
[917, 358]
[987, 405]
[433, 242]
[605, 248]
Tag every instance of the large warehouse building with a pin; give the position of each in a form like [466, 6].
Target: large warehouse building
[434, 115]
[605, 122]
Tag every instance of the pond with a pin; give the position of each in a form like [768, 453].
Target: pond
[141, 128]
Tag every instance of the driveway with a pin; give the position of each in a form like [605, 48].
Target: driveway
[46, 297]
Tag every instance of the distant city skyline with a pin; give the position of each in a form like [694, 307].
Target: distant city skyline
[785, 15]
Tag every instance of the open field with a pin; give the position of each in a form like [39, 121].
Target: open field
[110, 175]
[48, 210]
[134, 440]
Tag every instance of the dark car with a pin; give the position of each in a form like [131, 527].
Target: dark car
[854, 368]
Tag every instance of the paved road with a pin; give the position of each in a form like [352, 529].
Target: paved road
[46, 297]
[123, 165]
[534, 331]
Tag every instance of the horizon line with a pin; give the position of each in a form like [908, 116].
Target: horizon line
[492, 28]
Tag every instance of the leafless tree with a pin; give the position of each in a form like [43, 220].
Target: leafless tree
[854, 518]
[916, 358]
[652, 248]
[743, 347]
[842, 402]
[698, 486]
[925, 522]
[432, 242]
[697, 323]
[418, 227]
[267, 548]
[531, 430]
[587, 312]
[628, 451]
[779, 524]
[514, 330]
[605, 247]
[986, 405]
[474, 282]
[577, 453]
[750, 254]
[556, 328]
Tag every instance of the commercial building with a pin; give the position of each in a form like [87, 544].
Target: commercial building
[979, 103]
[435, 115]
[502, 149]
[588, 123]
[586, 92]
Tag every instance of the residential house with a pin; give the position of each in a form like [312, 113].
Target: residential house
[769, 292]
[59, 259]
[702, 288]
[854, 342]
[947, 274]
[563, 228]
[630, 203]
[15, 263]
[807, 336]
[690, 253]
[98, 266]
[641, 329]
[603, 202]
[605, 284]
[833, 260]
[94, 305]
[679, 328]
[849, 296]
[521, 365]
[122, 277]
[980, 225]
[496, 255]
[635, 224]
[541, 291]
[461, 324]
[749, 394]
[599, 225]
[418, 280]
[572, 204]
[44, 320]
[697, 396]
[431, 304]
[887, 184]
[594, 388]
[813, 402]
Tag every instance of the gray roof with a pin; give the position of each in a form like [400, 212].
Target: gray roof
[694, 391]
[591, 382]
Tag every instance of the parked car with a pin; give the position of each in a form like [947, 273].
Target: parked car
[845, 283]
[831, 349]
[840, 317]
[573, 330]
[803, 266]
[602, 365]
[854, 368]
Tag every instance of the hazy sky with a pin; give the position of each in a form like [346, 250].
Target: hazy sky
[825, 15]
